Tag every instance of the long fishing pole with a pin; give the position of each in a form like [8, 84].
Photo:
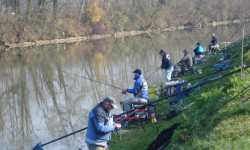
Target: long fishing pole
[152, 73]
[93, 80]
[40, 145]
[100, 82]
[97, 81]
[207, 75]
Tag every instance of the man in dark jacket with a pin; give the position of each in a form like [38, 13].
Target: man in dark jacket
[214, 40]
[213, 44]
[101, 125]
[166, 65]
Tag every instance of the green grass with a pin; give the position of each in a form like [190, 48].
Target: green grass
[142, 135]
[218, 119]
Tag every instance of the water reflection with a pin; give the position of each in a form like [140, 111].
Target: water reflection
[44, 92]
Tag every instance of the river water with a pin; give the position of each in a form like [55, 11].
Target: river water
[45, 94]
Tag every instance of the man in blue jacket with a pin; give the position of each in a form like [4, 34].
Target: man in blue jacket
[101, 125]
[199, 50]
[140, 90]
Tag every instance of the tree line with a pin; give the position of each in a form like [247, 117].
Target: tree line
[23, 20]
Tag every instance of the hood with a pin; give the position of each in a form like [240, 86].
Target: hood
[139, 77]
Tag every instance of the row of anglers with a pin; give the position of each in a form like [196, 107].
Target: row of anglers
[100, 120]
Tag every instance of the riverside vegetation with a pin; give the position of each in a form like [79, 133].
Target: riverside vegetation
[31, 20]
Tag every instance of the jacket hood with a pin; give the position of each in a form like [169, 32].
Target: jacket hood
[139, 77]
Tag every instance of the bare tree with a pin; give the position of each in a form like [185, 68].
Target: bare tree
[55, 6]
[41, 3]
[17, 6]
[163, 2]
[28, 9]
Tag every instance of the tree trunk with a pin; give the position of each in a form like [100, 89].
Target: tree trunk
[55, 5]
[162, 2]
[82, 6]
[6, 3]
[28, 9]
[17, 6]
[14, 5]
[41, 3]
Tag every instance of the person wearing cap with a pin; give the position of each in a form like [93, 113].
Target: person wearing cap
[199, 52]
[213, 44]
[101, 125]
[166, 65]
[140, 90]
[186, 62]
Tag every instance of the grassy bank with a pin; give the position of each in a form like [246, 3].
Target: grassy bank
[219, 117]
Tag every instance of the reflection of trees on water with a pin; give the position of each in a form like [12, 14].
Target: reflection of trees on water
[28, 84]
[43, 95]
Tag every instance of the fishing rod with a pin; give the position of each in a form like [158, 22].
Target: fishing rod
[94, 80]
[207, 75]
[99, 82]
[210, 80]
[104, 83]
[152, 72]
[40, 146]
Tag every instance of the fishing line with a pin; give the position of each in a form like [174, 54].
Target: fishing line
[93, 80]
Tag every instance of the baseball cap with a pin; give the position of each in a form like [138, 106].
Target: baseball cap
[110, 100]
[137, 71]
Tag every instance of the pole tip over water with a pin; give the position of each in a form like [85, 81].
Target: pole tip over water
[38, 147]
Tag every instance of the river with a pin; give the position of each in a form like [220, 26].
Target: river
[45, 92]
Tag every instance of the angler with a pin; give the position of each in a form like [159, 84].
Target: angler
[166, 65]
[101, 125]
[213, 44]
[139, 91]
[199, 52]
[185, 64]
